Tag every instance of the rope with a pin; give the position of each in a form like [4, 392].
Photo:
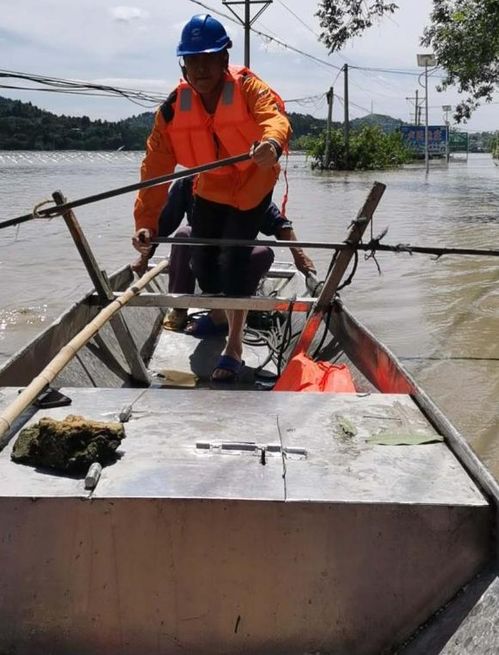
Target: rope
[286, 188]
[36, 213]
[375, 243]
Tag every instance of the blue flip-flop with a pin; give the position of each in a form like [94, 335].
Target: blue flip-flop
[205, 327]
[230, 364]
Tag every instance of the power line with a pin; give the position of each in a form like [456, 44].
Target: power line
[306, 98]
[353, 104]
[215, 11]
[73, 87]
[78, 87]
[301, 21]
[78, 93]
[270, 38]
[390, 71]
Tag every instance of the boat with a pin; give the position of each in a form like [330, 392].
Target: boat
[239, 519]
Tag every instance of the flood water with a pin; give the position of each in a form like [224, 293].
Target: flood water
[441, 317]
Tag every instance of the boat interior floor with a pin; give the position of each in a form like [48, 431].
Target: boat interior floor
[183, 360]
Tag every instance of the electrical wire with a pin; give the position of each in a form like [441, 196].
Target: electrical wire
[267, 37]
[299, 19]
[391, 71]
[78, 87]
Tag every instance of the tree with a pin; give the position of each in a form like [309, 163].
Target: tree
[341, 20]
[370, 148]
[495, 146]
[464, 36]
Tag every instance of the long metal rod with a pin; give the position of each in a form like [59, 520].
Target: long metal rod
[50, 212]
[328, 245]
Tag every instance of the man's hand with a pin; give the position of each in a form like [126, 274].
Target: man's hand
[302, 262]
[264, 154]
[141, 241]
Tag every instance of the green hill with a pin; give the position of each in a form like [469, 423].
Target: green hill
[25, 127]
[386, 123]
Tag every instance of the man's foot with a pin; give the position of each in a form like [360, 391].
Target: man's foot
[227, 369]
[175, 320]
[206, 326]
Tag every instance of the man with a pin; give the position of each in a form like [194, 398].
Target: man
[216, 112]
[181, 278]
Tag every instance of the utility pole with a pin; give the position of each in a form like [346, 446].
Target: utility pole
[247, 21]
[426, 60]
[417, 117]
[447, 109]
[327, 149]
[346, 126]
[426, 151]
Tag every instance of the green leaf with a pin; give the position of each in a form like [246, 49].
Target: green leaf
[404, 438]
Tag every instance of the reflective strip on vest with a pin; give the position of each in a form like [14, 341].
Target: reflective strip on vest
[185, 99]
[226, 99]
[228, 93]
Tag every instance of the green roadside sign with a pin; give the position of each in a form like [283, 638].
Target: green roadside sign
[458, 142]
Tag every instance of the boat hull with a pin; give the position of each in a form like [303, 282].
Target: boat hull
[174, 576]
[194, 541]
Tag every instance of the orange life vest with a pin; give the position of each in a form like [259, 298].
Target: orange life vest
[304, 374]
[194, 132]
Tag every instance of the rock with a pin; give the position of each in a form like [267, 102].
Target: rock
[70, 445]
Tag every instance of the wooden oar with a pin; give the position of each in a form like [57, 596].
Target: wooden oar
[338, 269]
[55, 366]
[49, 212]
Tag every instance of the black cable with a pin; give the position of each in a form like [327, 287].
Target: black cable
[80, 87]
[326, 320]
[350, 277]
[285, 340]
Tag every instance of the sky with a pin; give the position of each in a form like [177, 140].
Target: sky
[133, 46]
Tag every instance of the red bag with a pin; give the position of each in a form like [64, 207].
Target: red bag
[304, 374]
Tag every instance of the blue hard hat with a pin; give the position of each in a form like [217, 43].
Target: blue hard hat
[203, 33]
